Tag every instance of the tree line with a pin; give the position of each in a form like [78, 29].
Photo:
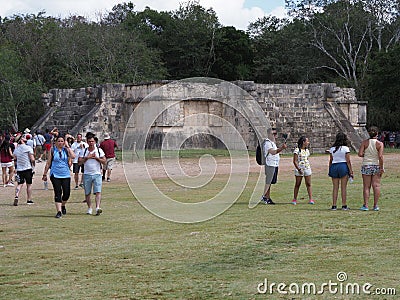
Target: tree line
[354, 43]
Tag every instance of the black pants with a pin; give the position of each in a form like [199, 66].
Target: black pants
[62, 188]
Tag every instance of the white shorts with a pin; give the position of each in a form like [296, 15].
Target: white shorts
[109, 163]
[306, 172]
[7, 165]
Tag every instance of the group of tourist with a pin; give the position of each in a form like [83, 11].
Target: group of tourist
[340, 167]
[20, 153]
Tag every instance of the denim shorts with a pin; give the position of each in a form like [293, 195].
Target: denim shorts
[370, 169]
[338, 170]
[90, 181]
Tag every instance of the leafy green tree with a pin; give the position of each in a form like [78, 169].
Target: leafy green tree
[282, 52]
[188, 44]
[233, 55]
[20, 98]
[382, 90]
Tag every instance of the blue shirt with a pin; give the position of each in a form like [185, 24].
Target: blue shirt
[59, 165]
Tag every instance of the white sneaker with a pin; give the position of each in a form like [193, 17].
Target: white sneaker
[89, 211]
[10, 184]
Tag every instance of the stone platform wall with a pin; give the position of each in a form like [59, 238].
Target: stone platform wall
[318, 111]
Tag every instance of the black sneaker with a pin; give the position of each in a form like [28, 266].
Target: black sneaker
[98, 211]
[16, 201]
[345, 207]
[334, 207]
[270, 202]
[59, 215]
[30, 202]
[267, 200]
[63, 210]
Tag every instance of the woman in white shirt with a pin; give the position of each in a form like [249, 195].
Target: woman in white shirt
[340, 169]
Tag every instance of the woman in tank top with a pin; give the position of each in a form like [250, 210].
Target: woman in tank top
[371, 150]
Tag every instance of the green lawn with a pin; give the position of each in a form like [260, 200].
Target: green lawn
[128, 253]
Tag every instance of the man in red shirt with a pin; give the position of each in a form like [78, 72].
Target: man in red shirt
[108, 146]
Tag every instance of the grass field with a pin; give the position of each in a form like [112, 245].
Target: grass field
[128, 253]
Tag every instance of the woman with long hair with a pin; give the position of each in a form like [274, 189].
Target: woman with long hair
[59, 163]
[340, 169]
[302, 168]
[371, 150]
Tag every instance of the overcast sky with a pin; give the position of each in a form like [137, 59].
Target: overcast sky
[237, 13]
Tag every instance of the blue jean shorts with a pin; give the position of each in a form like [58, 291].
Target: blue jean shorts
[338, 170]
[90, 181]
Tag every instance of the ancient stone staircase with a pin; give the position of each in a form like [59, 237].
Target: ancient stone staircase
[344, 124]
[67, 108]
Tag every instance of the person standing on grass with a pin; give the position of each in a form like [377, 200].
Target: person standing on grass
[24, 158]
[59, 162]
[371, 150]
[108, 146]
[271, 153]
[92, 158]
[302, 169]
[78, 146]
[47, 145]
[340, 169]
[39, 141]
[7, 164]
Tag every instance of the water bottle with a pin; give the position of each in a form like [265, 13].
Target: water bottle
[46, 185]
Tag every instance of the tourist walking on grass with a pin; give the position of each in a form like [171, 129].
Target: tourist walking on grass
[47, 145]
[271, 154]
[302, 169]
[371, 150]
[7, 163]
[108, 146]
[59, 163]
[39, 142]
[24, 158]
[78, 147]
[340, 169]
[92, 158]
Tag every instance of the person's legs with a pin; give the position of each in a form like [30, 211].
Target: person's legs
[367, 180]
[76, 179]
[10, 174]
[87, 185]
[297, 184]
[4, 175]
[97, 185]
[307, 180]
[267, 190]
[66, 192]
[343, 189]
[335, 191]
[18, 190]
[376, 187]
[57, 188]
[29, 192]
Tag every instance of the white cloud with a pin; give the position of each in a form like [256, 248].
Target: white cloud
[230, 13]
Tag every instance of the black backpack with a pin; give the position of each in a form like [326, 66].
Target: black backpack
[260, 157]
